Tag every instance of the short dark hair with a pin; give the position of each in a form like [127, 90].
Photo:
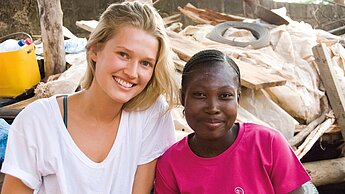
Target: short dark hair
[210, 55]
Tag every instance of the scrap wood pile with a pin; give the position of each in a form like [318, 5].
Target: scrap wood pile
[286, 72]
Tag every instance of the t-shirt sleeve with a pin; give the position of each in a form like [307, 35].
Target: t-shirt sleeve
[158, 134]
[20, 156]
[288, 172]
[164, 178]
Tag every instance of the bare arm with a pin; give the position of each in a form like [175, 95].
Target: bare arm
[13, 185]
[299, 190]
[143, 180]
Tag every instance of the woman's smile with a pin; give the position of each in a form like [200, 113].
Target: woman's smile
[123, 83]
[123, 61]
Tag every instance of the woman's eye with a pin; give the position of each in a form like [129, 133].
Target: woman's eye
[123, 55]
[146, 63]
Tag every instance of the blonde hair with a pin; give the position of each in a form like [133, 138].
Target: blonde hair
[145, 17]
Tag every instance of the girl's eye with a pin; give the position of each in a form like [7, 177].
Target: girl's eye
[226, 96]
[199, 95]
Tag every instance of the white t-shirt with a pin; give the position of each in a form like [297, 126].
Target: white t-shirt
[41, 152]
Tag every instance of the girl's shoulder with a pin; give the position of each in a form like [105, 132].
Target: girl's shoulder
[176, 150]
[259, 130]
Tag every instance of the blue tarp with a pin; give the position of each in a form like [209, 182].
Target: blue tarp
[4, 126]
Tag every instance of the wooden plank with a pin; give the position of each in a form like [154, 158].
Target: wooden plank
[306, 131]
[21, 104]
[254, 77]
[207, 16]
[12, 110]
[171, 19]
[194, 16]
[329, 79]
[7, 113]
[184, 47]
[87, 25]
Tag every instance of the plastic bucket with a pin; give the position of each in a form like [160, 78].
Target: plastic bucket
[19, 70]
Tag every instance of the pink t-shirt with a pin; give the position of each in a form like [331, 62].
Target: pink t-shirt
[260, 161]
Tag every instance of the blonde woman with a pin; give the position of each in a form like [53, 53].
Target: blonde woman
[105, 138]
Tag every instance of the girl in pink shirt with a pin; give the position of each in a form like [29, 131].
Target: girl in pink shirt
[223, 156]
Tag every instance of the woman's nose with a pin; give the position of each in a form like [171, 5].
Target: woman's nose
[131, 70]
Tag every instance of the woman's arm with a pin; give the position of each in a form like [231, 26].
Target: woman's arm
[13, 185]
[143, 180]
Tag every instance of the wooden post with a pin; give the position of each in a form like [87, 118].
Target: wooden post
[329, 79]
[326, 172]
[50, 14]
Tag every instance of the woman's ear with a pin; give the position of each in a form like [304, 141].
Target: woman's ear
[93, 52]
